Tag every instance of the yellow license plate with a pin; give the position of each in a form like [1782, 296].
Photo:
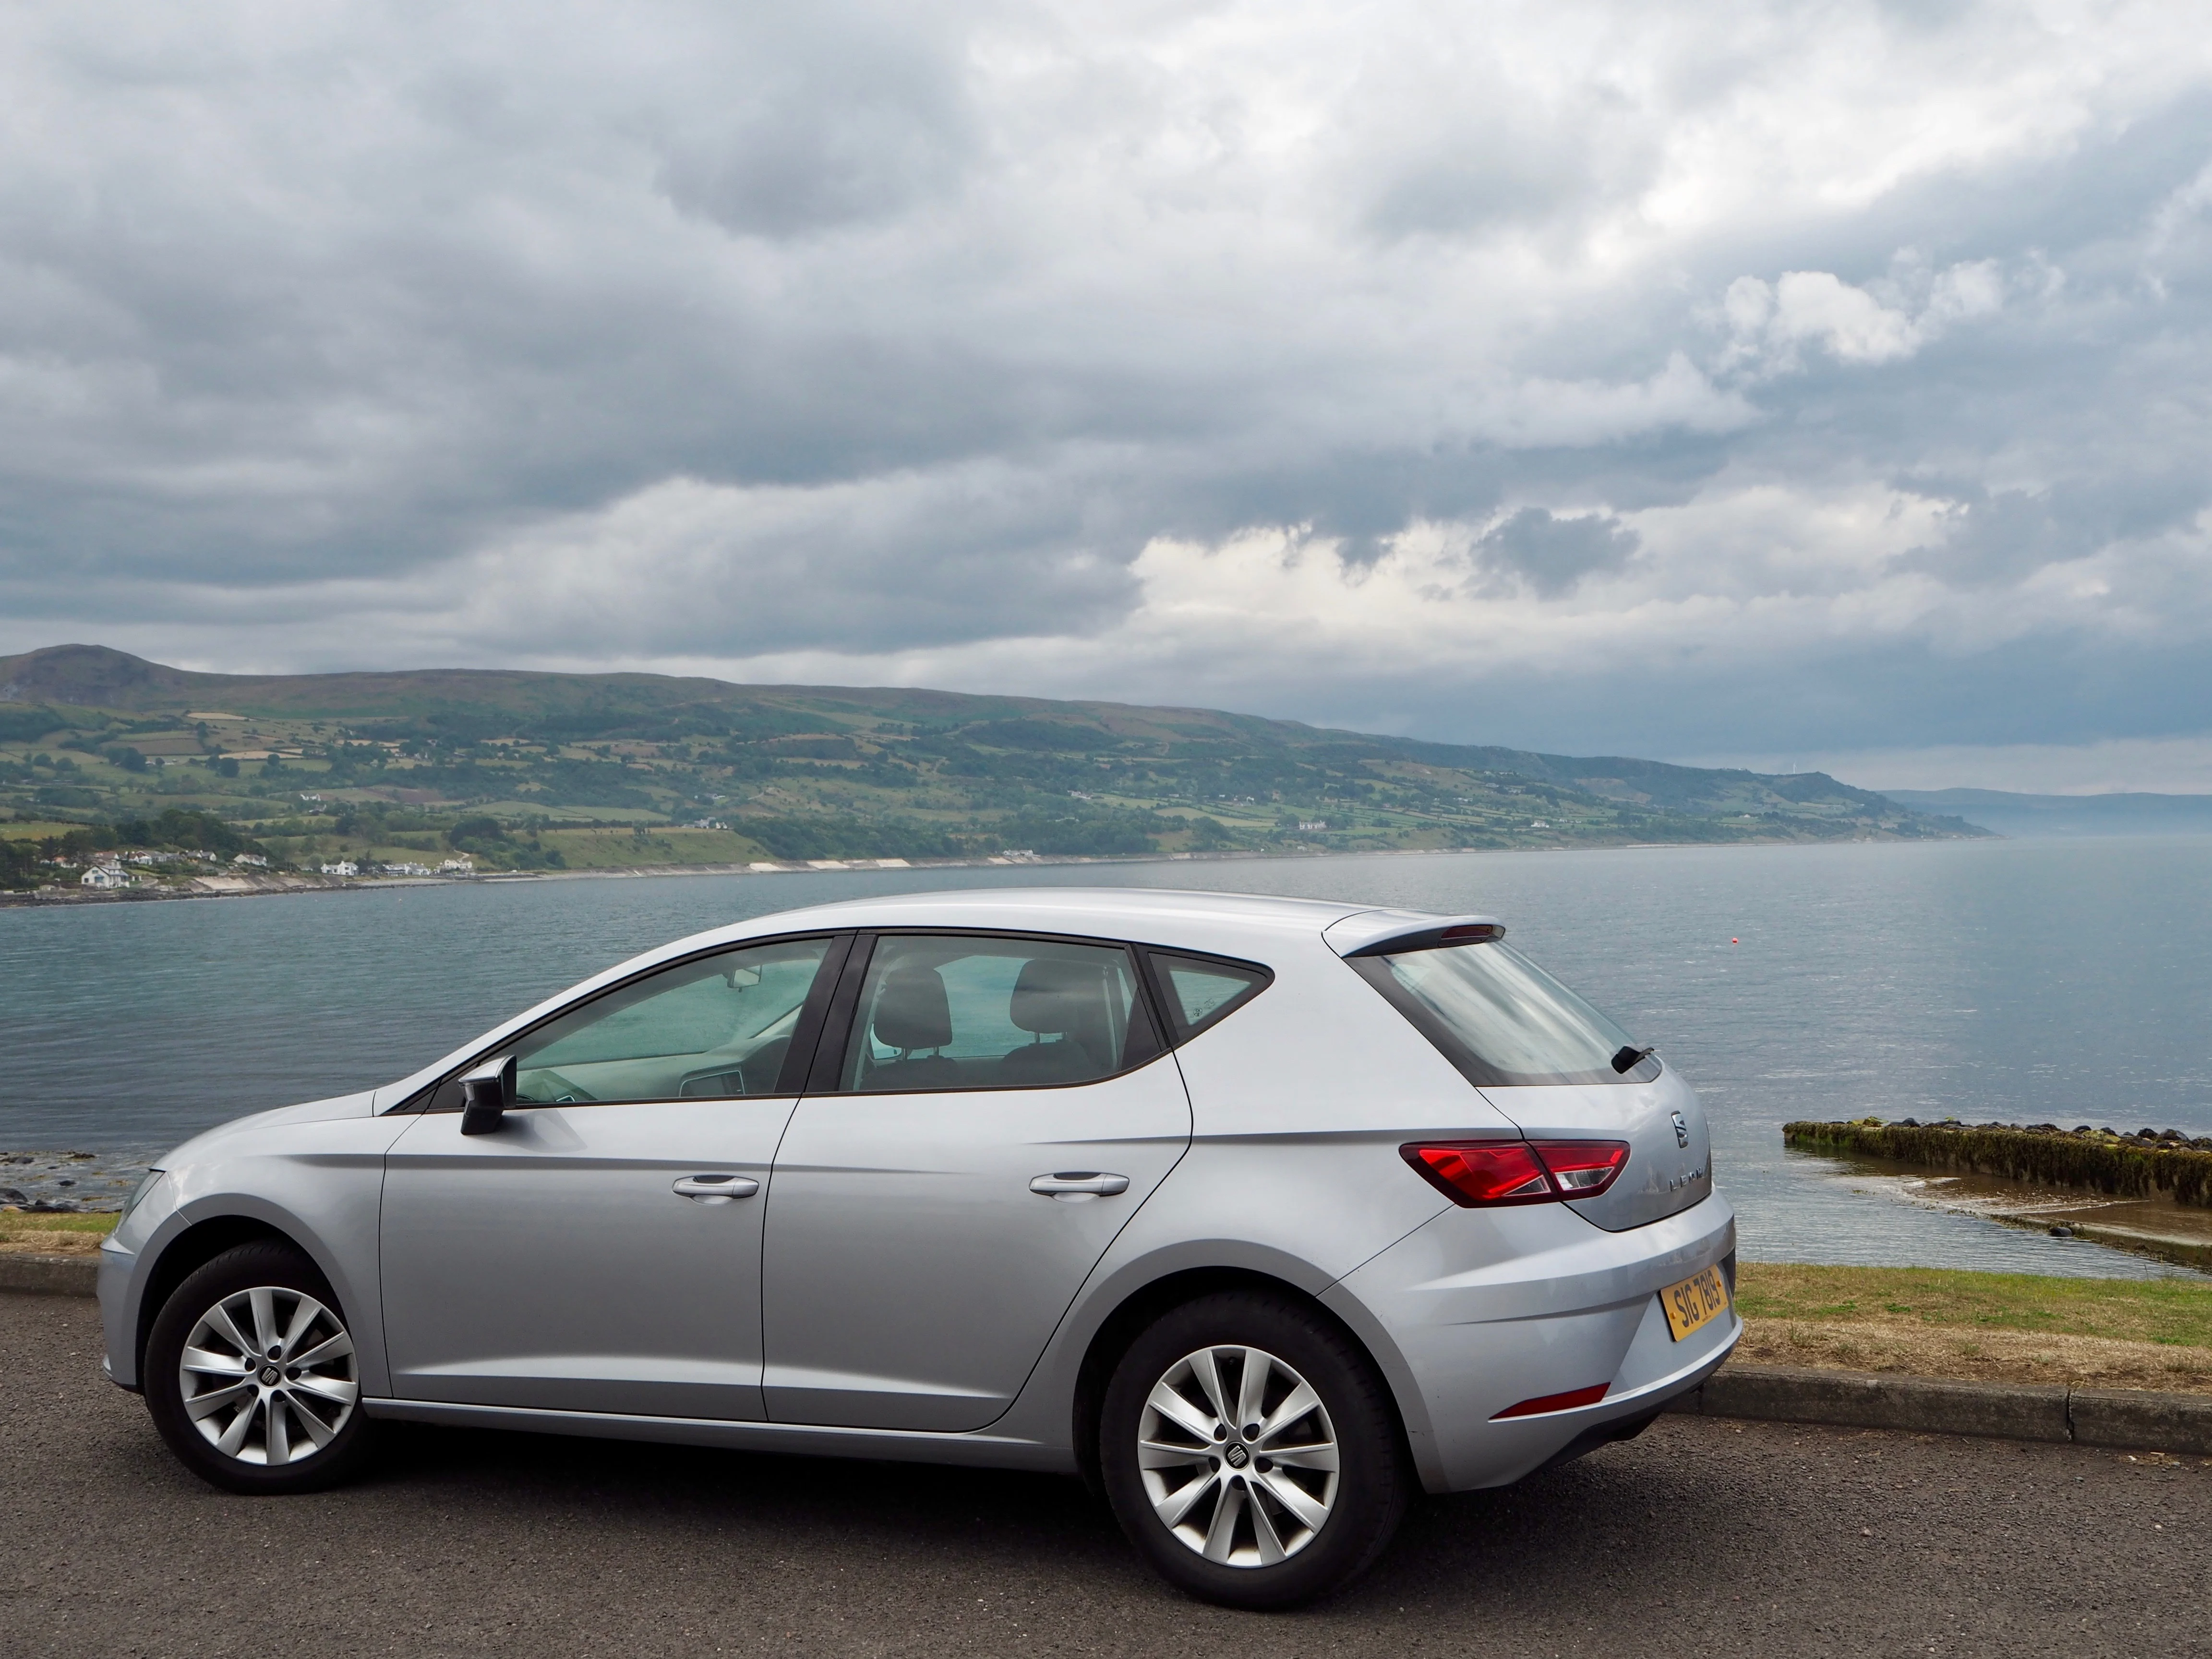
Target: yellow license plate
[1695, 1303]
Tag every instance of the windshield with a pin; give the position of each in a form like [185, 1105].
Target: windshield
[1500, 1019]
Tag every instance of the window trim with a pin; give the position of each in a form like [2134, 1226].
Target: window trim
[837, 1030]
[811, 1012]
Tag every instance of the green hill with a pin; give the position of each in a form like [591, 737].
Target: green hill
[527, 770]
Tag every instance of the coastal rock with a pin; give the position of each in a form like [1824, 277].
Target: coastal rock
[2125, 1166]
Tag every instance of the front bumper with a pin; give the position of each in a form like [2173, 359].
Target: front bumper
[1489, 1308]
[118, 1325]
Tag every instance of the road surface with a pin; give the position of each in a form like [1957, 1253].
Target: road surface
[1703, 1537]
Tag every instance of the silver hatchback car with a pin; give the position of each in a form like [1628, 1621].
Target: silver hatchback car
[1257, 1213]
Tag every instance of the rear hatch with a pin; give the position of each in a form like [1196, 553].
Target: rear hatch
[1670, 1164]
[1547, 1059]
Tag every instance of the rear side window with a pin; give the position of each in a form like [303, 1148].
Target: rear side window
[1202, 991]
[1499, 1018]
[965, 1012]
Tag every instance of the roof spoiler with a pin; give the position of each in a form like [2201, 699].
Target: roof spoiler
[1390, 933]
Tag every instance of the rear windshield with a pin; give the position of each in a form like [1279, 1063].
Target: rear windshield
[1500, 1019]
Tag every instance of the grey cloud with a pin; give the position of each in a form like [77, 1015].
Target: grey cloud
[849, 124]
[1553, 555]
[1993, 538]
[1481, 179]
[2000, 537]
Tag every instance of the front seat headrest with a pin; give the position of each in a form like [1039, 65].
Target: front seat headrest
[1052, 999]
[912, 1011]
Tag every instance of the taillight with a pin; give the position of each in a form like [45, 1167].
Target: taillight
[1474, 1173]
[1583, 1169]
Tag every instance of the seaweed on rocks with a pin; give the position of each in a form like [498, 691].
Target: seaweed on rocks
[2095, 1160]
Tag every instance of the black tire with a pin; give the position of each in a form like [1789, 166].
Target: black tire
[1364, 1505]
[302, 1405]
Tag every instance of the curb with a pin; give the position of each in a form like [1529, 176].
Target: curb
[2121, 1419]
[50, 1275]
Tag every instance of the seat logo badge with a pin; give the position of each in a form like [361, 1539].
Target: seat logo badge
[1681, 1131]
[1238, 1457]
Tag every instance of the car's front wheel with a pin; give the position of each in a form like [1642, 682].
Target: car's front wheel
[252, 1376]
[1250, 1451]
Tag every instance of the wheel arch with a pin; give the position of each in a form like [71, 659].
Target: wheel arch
[1141, 1306]
[198, 1243]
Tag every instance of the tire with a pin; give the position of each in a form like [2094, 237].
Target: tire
[1223, 1514]
[279, 1427]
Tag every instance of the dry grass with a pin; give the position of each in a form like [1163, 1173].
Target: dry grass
[2012, 1328]
[23, 1233]
[1993, 1356]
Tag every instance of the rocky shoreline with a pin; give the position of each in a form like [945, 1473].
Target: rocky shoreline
[2145, 1164]
[71, 1182]
[2148, 1193]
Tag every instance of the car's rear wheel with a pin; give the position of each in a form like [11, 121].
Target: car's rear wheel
[1250, 1451]
[252, 1376]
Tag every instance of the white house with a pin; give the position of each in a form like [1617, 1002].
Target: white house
[253, 859]
[104, 875]
[458, 867]
[343, 867]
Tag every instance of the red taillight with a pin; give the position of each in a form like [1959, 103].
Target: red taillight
[1493, 1172]
[1483, 1172]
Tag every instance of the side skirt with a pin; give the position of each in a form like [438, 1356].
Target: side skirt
[898, 1445]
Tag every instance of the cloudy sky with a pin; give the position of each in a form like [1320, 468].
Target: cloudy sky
[1792, 382]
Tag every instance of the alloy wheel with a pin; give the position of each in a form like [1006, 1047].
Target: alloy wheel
[1238, 1458]
[268, 1376]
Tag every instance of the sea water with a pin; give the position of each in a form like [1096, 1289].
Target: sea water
[2029, 982]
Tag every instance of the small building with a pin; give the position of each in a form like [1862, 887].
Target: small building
[104, 875]
[342, 867]
[458, 867]
[407, 869]
[255, 859]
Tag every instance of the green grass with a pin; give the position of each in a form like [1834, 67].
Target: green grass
[2169, 1311]
[11, 1222]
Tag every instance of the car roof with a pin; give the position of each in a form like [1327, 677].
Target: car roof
[1222, 922]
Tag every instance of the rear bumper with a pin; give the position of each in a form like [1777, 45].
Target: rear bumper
[1489, 1308]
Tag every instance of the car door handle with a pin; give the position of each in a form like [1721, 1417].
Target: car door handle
[716, 1188]
[1074, 1184]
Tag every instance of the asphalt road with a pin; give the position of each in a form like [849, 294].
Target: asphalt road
[1701, 1537]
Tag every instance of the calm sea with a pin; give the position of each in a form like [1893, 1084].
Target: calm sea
[2031, 981]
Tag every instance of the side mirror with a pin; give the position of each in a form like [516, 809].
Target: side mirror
[486, 1093]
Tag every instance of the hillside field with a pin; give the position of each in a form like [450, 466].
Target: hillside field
[522, 771]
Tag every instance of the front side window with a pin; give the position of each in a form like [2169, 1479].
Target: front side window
[717, 1025]
[1501, 1018]
[947, 1012]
